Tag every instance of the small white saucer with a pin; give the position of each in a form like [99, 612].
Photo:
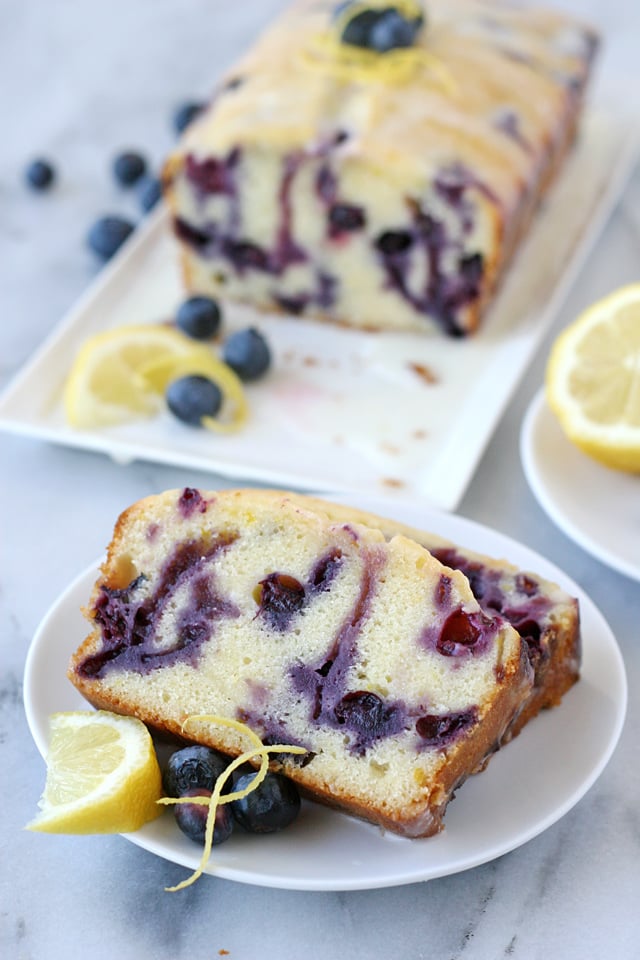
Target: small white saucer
[597, 507]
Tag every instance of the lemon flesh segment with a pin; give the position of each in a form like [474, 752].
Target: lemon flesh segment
[593, 380]
[103, 775]
[104, 387]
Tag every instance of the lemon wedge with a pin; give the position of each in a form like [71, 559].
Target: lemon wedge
[104, 386]
[593, 380]
[102, 775]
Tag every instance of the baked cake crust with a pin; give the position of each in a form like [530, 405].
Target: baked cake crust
[384, 191]
[316, 631]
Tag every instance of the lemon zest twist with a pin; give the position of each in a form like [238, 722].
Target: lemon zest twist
[258, 749]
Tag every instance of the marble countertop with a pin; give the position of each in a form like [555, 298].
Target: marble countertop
[80, 82]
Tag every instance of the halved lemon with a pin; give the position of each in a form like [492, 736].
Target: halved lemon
[102, 775]
[593, 380]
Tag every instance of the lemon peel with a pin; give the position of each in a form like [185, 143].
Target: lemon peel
[258, 749]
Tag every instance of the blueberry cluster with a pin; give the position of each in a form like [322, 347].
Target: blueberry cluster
[193, 771]
[193, 397]
[130, 169]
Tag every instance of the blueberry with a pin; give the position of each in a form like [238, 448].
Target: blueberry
[392, 31]
[185, 114]
[191, 767]
[40, 174]
[345, 217]
[381, 29]
[280, 597]
[437, 729]
[358, 30]
[392, 242]
[129, 167]
[272, 806]
[192, 818]
[149, 192]
[108, 234]
[199, 317]
[247, 353]
[193, 397]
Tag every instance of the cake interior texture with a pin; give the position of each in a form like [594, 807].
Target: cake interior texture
[316, 627]
[381, 190]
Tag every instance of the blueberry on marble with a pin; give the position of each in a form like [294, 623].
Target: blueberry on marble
[247, 353]
[129, 167]
[193, 397]
[107, 235]
[192, 818]
[199, 318]
[149, 192]
[40, 174]
[271, 806]
[186, 113]
[193, 767]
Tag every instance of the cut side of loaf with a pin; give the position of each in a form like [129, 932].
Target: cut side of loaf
[316, 631]
[545, 615]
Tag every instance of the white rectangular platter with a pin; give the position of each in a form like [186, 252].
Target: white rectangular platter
[400, 415]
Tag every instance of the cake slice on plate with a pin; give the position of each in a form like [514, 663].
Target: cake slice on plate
[315, 630]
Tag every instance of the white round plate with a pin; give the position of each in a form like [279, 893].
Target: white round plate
[527, 786]
[596, 507]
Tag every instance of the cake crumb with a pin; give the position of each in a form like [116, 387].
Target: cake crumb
[392, 482]
[425, 374]
[223, 953]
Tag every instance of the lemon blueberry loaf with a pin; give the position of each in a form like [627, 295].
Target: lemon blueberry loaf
[260, 607]
[376, 164]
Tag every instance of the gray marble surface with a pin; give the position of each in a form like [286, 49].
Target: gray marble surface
[78, 82]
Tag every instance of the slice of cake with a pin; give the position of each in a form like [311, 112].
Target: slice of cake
[378, 167]
[260, 606]
[545, 615]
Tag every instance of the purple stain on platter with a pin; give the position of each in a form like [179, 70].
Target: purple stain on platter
[128, 619]
[438, 730]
